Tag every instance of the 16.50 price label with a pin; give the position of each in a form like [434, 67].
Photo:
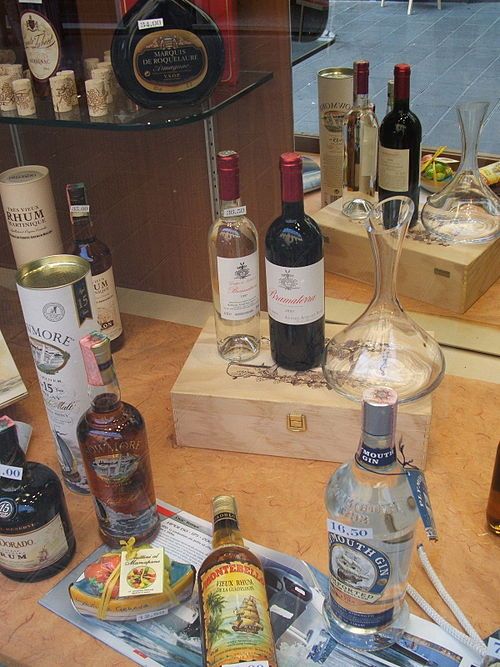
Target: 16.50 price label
[348, 531]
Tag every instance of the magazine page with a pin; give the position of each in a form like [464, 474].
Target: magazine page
[296, 594]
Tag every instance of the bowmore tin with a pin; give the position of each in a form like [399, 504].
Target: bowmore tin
[335, 86]
[58, 306]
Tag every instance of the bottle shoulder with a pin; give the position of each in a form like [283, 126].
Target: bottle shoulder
[294, 242]
[124, 418]
[94, 251]
[400, 121]
[227, 554]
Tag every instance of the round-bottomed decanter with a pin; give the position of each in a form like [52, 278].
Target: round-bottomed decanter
[466, 210]
[384, 346]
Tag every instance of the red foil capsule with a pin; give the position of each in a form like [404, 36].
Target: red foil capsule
[228, 171]
[361, 72]
[291, 177]
[402, 81]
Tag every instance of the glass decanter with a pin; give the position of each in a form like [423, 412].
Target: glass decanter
[466, 210]
[385, 347]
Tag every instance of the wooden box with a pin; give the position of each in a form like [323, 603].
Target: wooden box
[261, 408]
[448, 276]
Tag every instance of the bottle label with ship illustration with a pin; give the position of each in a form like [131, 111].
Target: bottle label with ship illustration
[237, 627]
[32, 550]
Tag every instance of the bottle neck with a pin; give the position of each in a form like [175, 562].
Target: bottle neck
[107, 396]
[361, 101]
[401, 91]
[227, 204]
[226, 532]
[376, 452]
[83, 229]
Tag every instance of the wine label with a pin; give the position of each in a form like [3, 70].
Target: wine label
[108, 314]
[236, 623]
[170, 61]
[239, 286]
[34, 550]
[394, 169]
[295, 295]
[41, 43]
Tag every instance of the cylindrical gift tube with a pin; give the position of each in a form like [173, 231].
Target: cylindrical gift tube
[23, 95]
[96, 97]
[88, 65]
[62, 93]
[104, 75]
[334, 101]
[7, 101]
[30, 212]
[69, 74]
[59, 309]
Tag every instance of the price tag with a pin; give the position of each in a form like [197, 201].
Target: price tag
[35, 2]
[151, 614]
[142, 575]
[418, 486]
[150, 23]
[79, 208]
[252, 663]
[493, 647]
[234, 213]
[348, 531]
[11, 472]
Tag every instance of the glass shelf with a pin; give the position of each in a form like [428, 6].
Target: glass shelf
[303, 50]
[143, 119]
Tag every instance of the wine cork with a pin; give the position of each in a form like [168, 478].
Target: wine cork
[62, 93]
[15, 70]
[69, 74]
[88, 65]
[104, 65]
[23, 95]
[104, 75]
[7, 101]
[96, 97]
[107, 56]
[27, 74]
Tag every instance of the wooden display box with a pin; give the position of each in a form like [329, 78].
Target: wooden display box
[260, 408]
[448, 276]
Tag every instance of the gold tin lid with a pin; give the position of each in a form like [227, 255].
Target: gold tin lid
[224, 505]
[336, 73]
[52, 272]
[21, 175]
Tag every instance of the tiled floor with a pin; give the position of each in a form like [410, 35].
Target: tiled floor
[454, 53]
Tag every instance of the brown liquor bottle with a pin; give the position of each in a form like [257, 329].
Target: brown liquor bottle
[88, 246]
[114, 447]
[493, 508]
[234, 610]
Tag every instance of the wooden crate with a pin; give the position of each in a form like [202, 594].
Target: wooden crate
[254, 407]
[448, 276]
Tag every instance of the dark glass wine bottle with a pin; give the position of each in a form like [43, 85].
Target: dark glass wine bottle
[41, 29]
[295, 277]
[97, 253]
[36, 537]
[400, 145]
[167, 52]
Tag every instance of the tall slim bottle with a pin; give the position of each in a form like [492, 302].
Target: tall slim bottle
[113, 441]
[97, 253]
[235, 621]
[234, 266]
[295, 277]
[400, 145]
[371, 529]
[360, 148]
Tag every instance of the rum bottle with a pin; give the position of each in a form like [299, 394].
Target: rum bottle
[97, 253]
[114, 447]
[36, 536]
[234, 267]
[371, 528]
[234, 610]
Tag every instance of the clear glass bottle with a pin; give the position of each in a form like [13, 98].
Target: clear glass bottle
[360, 148]
[371, 527]
[234, 609]
[234, 267]
[114, 446]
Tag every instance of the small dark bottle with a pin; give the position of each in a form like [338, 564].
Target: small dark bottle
[400, 145]
[36, 537]
[295, 277]
[493, 508]
[167, 52]
[89, 247]
[114, 446]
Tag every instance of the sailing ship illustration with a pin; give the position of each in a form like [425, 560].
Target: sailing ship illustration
[247, 616]
[350, 570]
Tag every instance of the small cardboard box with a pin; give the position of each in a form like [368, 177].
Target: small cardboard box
[448, 276]
[261, 408]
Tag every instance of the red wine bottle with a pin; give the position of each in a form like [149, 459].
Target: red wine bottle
[400, 145]
[295, 277]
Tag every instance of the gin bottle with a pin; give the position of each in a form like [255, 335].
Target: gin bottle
[371, 528]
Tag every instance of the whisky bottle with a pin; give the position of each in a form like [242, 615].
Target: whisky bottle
[114, 446]
[234, 267]
[97, 253]
[493, 508]
[36, 536]
[234, 610]
[360, 149]
[167, 52]
[371, 527]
